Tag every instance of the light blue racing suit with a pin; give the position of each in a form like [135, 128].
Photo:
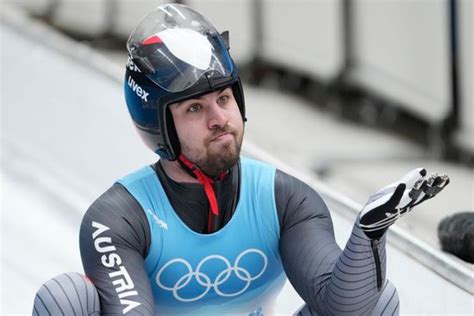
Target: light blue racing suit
[237, 269]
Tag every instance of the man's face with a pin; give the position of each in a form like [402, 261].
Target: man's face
[210, 130]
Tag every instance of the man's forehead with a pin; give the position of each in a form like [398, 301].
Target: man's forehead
[203, 96]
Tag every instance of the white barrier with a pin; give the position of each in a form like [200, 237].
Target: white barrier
[83, 17]
[401, 51]
[130, 12]
[119, 17]
[91, 18]
[233, 16]
[303, 35]
[37, 7]
[465, 136]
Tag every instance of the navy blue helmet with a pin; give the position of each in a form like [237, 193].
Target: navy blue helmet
[174, 54]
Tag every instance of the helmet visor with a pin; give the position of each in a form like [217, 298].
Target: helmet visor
[175, 46]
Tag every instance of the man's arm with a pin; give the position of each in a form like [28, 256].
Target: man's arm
[331, 281]
[114, 240]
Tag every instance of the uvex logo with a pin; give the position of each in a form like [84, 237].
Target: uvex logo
[120, 277]
[137, 89]
[131, 65]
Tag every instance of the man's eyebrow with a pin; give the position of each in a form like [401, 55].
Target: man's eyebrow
[199, 97]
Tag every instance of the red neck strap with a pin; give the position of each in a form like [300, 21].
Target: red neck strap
[208, 188]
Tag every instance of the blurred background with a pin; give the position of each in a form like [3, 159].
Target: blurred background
[347, 94]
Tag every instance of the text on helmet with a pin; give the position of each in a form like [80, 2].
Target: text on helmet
[137, 89]
[131, 65]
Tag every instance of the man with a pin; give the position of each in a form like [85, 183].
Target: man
[205, 231]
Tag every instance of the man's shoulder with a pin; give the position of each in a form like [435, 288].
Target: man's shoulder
[251, 162]
[116, 201]
[119, 214]
[282, 178]
[285, 182]
[143, 173]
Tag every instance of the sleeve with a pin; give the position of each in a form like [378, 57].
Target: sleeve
[114, 240]
[330, 281]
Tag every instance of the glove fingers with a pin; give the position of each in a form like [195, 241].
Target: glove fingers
[417, 189]
[436, 182]
[413, 176]
[444, 181]
[426, 188]
[391, 202]
[434, 185]
[409, 179]
[413, 179]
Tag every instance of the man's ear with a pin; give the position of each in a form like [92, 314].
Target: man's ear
[225, 35]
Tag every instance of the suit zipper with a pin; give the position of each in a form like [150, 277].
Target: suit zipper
[374, 244]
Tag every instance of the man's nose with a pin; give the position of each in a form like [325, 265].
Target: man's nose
[217, 116]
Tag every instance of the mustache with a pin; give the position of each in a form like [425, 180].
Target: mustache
[226, 129]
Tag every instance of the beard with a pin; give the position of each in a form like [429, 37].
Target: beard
[213, 159]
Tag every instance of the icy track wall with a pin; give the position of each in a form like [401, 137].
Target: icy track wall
[405, 66]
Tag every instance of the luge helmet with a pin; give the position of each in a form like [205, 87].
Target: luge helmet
[174, 54]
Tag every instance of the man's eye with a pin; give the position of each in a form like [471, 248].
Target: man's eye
[223, 99]
[194, 108]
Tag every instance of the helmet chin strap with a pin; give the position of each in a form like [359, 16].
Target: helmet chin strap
[193, 170]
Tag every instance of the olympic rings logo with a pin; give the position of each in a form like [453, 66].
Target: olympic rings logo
[205, 281]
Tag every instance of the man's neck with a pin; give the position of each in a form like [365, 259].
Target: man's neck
[174, 170]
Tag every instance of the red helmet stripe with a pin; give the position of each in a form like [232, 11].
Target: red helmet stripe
[154, 39]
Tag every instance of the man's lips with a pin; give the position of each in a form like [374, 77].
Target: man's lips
[221, 136]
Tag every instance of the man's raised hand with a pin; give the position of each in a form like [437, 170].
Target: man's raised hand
[393, 201]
